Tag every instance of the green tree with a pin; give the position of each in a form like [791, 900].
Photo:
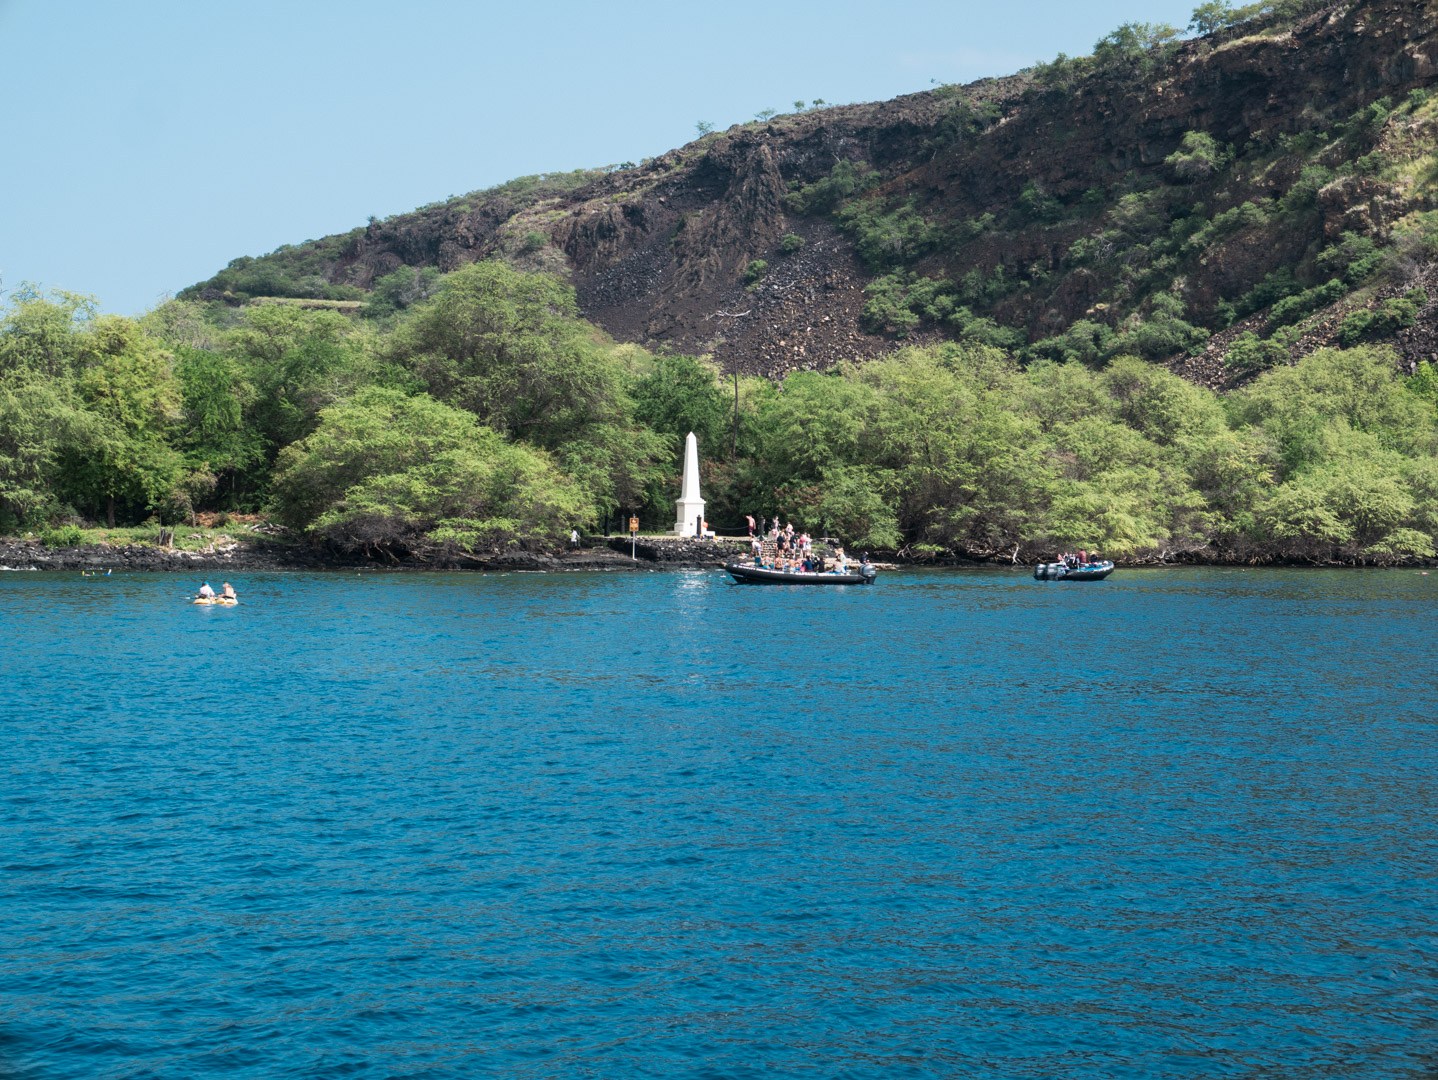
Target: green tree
[1198, 157]
[298, 362]
[510, 348]
[386, 471]
[41, 334]
[40, 420]
[210, 429]
[41, 414]
[681, 394]
[1134, 47]
[1211, 16]
[127, 384]
[409, 285]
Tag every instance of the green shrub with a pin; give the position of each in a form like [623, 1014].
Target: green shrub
[1371, 162]
[985, 288]
[62, 536]
[845, 180]
[887, 308]
[1214, 15]
[1135, 48]
[1159, 336]
[755, 271]
[790, 243]
[1363, 125]
[1424, 383]
[887, 236]
[1273, 288]
[1303, 195]
[1035, 205]
[534, 241]
[404, 288]
[1355, 258]
[1389, 317]
[1093, 250]
[1244, 216]
[985, 331]
[1198, 157]
[963, 120]
[1084, 341]
[1292, 308]
[1248, 352]
[1059, 74]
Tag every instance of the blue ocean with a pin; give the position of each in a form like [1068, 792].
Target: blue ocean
[1180, 823]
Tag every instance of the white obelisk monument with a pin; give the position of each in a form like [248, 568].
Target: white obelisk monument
[689, 505]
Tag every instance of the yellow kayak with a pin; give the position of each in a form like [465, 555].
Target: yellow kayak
[215, 601]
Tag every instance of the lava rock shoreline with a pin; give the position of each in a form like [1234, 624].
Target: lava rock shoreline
[597, 553]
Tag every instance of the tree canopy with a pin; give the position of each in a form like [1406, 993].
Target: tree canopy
[488, 413]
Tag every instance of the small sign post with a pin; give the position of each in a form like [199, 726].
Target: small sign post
[633, 532]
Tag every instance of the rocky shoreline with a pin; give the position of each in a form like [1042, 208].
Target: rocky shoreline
[596, 553]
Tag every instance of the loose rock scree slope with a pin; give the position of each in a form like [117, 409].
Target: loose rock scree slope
[1046, 199]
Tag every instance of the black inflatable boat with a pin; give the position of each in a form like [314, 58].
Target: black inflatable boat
[749, 574]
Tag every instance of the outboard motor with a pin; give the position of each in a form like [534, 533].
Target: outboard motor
[868, 572]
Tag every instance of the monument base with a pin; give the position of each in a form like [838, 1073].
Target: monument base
[689, 512]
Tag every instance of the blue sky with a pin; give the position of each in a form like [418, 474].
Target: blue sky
[146, 145]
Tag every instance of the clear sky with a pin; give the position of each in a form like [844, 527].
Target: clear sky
[147, 144]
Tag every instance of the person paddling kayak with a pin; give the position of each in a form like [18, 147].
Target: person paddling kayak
[207, 591]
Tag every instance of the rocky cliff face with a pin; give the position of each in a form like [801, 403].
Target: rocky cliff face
[658, 253]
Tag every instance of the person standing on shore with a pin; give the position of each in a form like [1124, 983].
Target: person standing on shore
[750, 519]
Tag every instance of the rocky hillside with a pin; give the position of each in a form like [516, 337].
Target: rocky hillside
[1218, 204]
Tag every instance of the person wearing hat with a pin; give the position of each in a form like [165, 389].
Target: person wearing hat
[207, 592]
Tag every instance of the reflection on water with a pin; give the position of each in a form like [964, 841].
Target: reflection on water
[1179, 823]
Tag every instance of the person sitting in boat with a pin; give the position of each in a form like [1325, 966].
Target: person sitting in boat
[841, 561]
[228, 591]
[207, 591]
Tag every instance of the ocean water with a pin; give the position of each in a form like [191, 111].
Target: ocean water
[1176, 824]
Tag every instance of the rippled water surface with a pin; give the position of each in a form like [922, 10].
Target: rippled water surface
[1179, 823]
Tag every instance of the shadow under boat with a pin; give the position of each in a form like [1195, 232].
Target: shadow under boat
[757, 575]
